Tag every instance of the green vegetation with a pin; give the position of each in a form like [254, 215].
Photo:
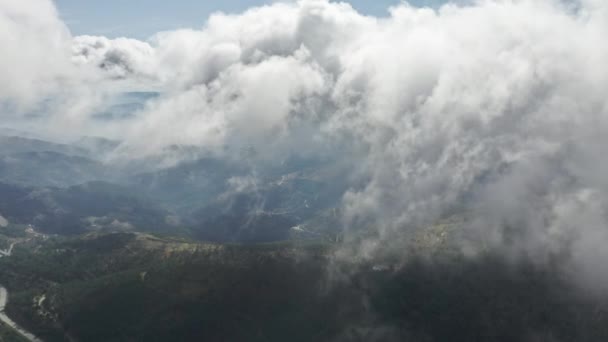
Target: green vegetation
[13, 231]
[152, 289]
[138, 287]
[7, 334]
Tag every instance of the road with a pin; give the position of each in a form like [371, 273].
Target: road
[4, 299]
[7, 252]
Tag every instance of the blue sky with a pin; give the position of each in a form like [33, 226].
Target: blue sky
[142, 18]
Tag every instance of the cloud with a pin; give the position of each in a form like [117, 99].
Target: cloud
[494, 108]
[120, 58]
[34, 50]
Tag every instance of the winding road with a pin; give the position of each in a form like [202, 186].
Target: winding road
[7, 252]
[4, 299]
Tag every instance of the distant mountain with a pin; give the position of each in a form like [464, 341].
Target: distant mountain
[211, 198]
[17, 144]
[189, 185]
[268, 213]
[34, 162]
[97, 147]
[241, 219]
[77, 209]
[51, 169]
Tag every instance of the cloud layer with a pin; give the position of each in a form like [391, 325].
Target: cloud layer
[496, 108]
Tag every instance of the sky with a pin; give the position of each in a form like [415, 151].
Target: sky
[142, 18]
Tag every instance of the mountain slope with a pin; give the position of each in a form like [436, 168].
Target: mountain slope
[136, 287]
